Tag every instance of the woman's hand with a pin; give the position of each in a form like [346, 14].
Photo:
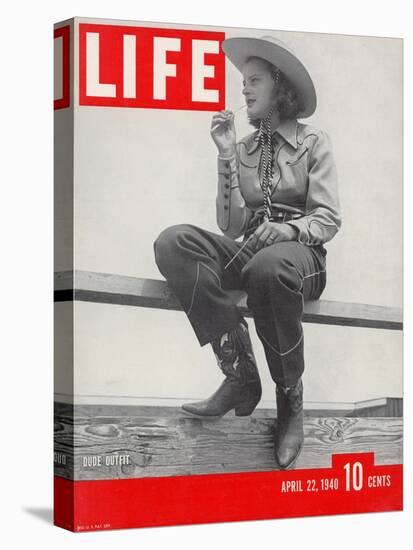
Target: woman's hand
[223, 132]
[272, 232]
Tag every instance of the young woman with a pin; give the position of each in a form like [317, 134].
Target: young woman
[277, 187]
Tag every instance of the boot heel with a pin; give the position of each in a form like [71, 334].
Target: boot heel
[245, 409]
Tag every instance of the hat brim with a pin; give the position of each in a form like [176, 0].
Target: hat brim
[238, 50]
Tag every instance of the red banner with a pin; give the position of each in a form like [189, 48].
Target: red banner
[122, 66]
[353, 485]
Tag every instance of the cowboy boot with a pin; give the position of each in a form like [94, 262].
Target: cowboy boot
[290, 431]
[241, 388]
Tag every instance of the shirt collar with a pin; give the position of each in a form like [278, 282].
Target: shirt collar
[286, 129]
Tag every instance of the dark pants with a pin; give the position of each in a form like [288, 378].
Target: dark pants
[277, 280]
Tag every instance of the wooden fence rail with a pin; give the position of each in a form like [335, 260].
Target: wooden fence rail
[109, 288]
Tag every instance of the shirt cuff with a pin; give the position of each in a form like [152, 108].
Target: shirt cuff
[226, 157]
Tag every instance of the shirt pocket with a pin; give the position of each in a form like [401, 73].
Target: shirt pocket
[302, 157]
[294, 182]
[249, 160]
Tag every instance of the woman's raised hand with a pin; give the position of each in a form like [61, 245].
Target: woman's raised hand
[223, 132]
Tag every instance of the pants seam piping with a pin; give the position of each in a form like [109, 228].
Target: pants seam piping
[196, 282]
[284, 352]
[194, 289]
[212, 271]
[311, 275]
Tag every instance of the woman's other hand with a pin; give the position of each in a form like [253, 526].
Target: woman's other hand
[272, 232]
[223, 132]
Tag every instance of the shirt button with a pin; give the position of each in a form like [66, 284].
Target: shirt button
[226, 207]
[226, 195]
[226, 176]
[226, 186]
[227, 164]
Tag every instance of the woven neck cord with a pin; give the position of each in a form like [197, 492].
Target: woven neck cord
[266, 172]
[267, 164]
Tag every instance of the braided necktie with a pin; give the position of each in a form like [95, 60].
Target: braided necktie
[266, 171]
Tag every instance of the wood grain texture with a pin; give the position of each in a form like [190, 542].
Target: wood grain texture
[180, 444]
[110, 288]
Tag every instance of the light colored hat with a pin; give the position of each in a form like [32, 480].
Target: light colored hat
[238, 50]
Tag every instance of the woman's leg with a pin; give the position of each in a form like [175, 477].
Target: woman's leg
[192, 260]
[277, 280]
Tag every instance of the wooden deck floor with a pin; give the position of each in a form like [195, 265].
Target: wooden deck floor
[170, 442]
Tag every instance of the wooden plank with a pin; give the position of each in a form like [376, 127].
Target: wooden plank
[182, 445]
[384, 406]
[110, 288]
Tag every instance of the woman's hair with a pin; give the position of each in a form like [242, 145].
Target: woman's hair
[288, 103]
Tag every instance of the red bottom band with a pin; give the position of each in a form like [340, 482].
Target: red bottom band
[353, 485]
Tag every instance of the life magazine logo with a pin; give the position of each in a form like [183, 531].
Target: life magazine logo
[143, 67]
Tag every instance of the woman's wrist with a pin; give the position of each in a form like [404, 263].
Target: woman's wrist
[226, 153]
[293, 231]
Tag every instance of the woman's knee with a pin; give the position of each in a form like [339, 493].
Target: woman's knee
[270, 266]
[166, 245]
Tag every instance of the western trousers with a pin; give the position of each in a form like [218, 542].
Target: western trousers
[277, 279]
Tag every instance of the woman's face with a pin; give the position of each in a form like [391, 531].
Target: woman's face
[259, 88]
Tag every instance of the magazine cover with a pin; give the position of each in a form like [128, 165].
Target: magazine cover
[228, 274]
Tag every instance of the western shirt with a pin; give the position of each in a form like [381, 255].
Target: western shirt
[304, 183]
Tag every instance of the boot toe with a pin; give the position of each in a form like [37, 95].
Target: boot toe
[287, 456]
[193, 408]
[199, 408]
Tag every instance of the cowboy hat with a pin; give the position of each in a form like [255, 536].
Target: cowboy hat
[238, 50]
